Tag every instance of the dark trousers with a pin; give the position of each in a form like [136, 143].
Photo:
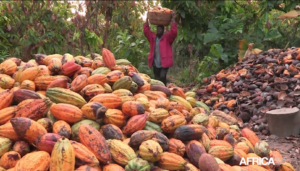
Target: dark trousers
[160, 74]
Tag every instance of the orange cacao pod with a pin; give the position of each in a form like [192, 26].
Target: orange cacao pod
[108, 58]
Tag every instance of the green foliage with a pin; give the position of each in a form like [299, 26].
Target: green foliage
[215, 29]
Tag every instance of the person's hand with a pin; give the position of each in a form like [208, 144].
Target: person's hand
[173, 16]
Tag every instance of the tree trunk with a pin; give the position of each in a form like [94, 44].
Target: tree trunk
[108, 17]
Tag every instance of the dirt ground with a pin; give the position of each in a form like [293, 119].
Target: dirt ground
[289, 148]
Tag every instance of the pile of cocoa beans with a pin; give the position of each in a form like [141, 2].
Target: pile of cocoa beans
[257, 84]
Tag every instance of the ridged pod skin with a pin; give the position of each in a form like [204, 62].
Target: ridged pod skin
[122, 92]
[152, 126]
[243, 139]
[205, 141]
[36, 160]
[138, 137]
[182, 101]
[35, 110]
[8, 67]
[7, 130]
[23, 94]
[121, 152]
[66, 58]
[175, 105]
[143, 88]
[62, 156]
[67, 112]
[208, 163]
[275, 154]
[110, 131]
[115, 117]
[6, 81]
[54, 65]
[75, 127]
[214, 143]
[83, 71]
[134, 87]
[29, 74]
[95, 142]
[189, 132]
[170, 124]
[162, 102]
[194, 150]
[79, 83]
[171, 161]
[48, 58]
[94, 110]
[161, 88]
[62, 128]
[46, 123]
[128, 99]
[101, 70]
[6, 98]
[28, 129]
[113, 167]
[178, 92]
[97, 63]
[62, 95]
[6, 114]
[21, 147]
[9, 159]
[43, 71]
[150, 150]
[5, 145]
[122, 83]
[137, 78]
[88, 168]
[190, 167]
[61, 82]
[222, 152]
[108, 58]
[113, 76]
[138, 164]
[47, 141]
[286, 167]
[250, 135]
[83, 156]
[158, 115]
[109, 100]
[154, 95]
[69, 68]
[135, 123]
[42, 82]
[255, 168]
[242, 146]
[132, 108]
[91, 90]
[176, 146]
[97, 79]
[107, 88]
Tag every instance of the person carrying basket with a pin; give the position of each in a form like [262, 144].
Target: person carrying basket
[160, 57]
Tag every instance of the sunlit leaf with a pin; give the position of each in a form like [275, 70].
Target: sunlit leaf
[291, 14]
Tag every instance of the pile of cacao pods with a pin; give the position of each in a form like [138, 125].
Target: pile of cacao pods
[65, 112]
[255, 85]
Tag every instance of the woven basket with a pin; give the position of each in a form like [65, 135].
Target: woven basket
[159, 18]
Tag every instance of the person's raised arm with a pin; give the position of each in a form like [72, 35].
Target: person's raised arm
[172, 34]
[147, 31]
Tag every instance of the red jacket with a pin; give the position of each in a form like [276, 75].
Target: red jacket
[165, 45]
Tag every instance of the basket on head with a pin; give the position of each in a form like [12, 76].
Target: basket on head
[159, 18]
